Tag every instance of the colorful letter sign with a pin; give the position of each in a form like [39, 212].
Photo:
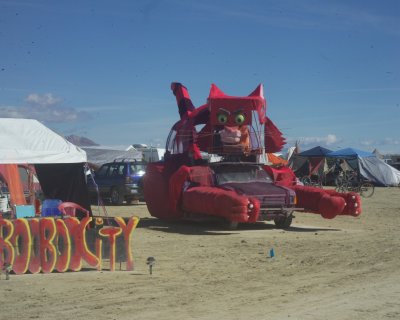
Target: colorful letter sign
[48, 244]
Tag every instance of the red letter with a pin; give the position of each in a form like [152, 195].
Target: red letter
[6, 248]
[127, 232]
[87, 255]
[34, 263]
[22, 241]
[63, 243]
[72, 224]
[99, 251]
[48, 253]
[111, 233]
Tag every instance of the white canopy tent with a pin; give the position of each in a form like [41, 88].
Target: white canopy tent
[59, 164]
[29, 141]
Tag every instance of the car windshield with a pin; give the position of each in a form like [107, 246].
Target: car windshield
[138, 168]
[232, 174]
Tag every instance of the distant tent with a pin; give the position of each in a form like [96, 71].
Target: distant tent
[378, 154]
[293, 150]
[310, 162]
[97, 156]
[276, 160]
[150, 154]
[369, 166]
[350, 153]
[290, 152]
[315, 152]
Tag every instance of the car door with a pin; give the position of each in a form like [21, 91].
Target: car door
[115, 176]
[101, 179]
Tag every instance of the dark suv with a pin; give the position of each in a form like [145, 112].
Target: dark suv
[118, 181]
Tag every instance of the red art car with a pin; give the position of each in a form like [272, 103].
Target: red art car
[214, 166]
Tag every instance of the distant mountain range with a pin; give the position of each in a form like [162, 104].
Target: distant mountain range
[81, 141]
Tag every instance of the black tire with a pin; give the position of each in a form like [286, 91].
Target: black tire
[132, 201]
[230, 225]
[367, 189]
[116, 197]
[283, 222]
[141, 186]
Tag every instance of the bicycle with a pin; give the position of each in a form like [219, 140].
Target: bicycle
[308, 181]
[353, 184]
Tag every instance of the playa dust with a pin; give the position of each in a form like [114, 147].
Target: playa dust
[345, 268]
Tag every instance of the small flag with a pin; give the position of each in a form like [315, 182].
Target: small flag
[271, 253]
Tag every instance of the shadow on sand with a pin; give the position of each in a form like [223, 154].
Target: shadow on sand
[215, 227]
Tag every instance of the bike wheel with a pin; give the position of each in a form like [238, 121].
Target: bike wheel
[306, 180]
[339, 181]
[342, 188]
[318, 184]
[367, 189]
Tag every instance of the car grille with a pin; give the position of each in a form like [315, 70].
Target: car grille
[269, 195]
[272, 200]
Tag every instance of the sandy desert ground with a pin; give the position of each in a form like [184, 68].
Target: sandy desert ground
[346, 268]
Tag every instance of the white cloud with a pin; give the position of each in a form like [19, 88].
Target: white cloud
[45, 108]
[381, 142]
[45, 100]
[391, 141]
[368, 143]
[330, 139]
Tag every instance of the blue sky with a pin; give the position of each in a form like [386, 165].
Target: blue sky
[102, 69]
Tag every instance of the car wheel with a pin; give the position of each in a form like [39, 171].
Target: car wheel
[283, 222]
[132, 201]
[230, 225]
[116, 197]
[141, 186]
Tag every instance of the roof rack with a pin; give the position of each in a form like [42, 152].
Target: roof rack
[126, 160]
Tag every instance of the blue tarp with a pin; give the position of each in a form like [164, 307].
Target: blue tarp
[350, 153]
[315, 152]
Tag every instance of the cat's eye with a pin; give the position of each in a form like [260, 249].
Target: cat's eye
[240, 118]
[222, 118]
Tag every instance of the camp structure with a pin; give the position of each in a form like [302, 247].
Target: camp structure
[369, 166]
[149, 153]
[59, 164]
[97, 156]
[276, 160]
[310, 162]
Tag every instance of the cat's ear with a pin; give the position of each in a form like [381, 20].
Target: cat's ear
[216, 92]
[258, 92]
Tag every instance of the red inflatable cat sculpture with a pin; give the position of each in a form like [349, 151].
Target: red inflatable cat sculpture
[214, 166]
